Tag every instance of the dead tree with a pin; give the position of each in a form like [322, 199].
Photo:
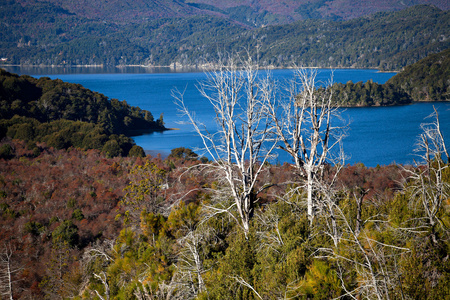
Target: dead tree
[7, 271]
[190, 264]
[303, 121]
[244, 140]
[103, 253]
[427, 184]
[354, 249]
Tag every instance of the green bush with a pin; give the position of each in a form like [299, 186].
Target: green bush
[66, 232]
[6, 151]
[77, 214]
[112, 148]
[136, 151]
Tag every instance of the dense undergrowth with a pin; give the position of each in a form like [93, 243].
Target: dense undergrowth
[79, 224]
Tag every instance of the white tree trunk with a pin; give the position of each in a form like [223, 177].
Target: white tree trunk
[6, 272]
[245, 138]
[309, 190]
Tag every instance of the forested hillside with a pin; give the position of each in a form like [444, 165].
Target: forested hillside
[265, 12]
[384, 40]
[250, 12]
[52, 206]
[44, 33]
[67, 115]
[427, 80]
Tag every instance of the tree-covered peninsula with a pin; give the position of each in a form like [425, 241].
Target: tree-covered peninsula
[67, 115]
[426, 80]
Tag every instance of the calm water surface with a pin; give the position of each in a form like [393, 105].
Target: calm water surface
[379, 135]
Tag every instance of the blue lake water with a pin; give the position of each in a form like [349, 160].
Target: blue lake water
[377, 135]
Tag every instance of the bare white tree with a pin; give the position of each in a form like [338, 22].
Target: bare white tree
[429, 189]
[244, 140]
[7, 271]
[356, 250]
[303, 121]
[104, 253]
[187, 282]
[190, 263]
[104, 280]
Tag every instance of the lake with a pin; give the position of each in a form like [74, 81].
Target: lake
[377, 135]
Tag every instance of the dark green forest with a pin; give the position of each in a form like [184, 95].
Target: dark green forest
[368, 94]
[64, 115]
[44, 34]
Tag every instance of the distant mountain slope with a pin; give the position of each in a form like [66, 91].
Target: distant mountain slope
[250, 12]
[286, 11]
[127, 10]
[384, 40]
[42, 33]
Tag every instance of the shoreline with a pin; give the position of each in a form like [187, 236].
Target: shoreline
[37, 70]
[392, 105]
[138, 132]
[184, 69]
